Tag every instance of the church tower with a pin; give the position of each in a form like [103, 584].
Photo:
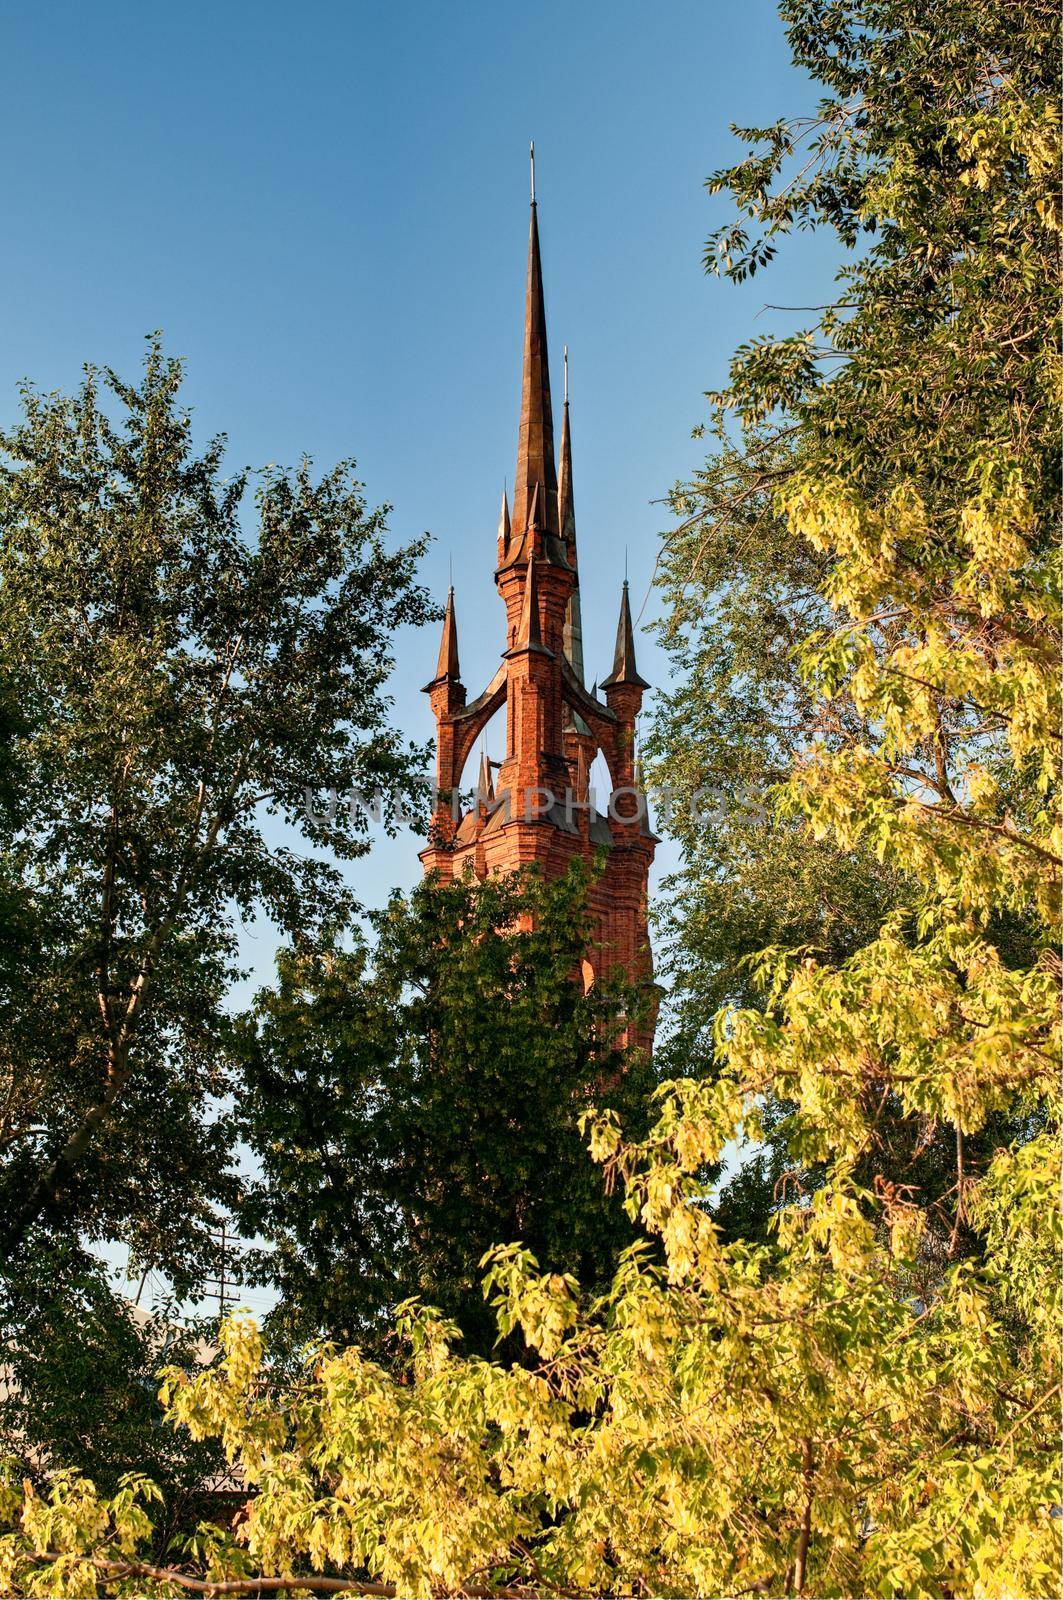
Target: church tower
[537, 805]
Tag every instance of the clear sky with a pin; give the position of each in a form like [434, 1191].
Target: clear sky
[324, 207]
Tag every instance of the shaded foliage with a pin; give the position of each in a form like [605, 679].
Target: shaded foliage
[413, 1101]
[177, 683]
[81, 1388]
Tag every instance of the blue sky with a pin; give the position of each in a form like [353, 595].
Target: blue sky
[324, 207]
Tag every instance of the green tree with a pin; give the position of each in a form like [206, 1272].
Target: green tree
[16, 922]
[925, 376]
[81, 1390]
[413, 1101]
[740, 592]
[179, 664]
[182, 683]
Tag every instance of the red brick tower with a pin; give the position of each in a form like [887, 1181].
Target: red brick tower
[539, 806]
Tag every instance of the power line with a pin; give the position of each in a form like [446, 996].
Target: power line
[228, 1277]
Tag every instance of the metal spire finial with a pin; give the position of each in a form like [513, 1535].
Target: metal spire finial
[566, 374]
[531, 154]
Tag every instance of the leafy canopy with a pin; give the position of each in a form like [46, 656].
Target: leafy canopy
[180, 683]
[413, 1100]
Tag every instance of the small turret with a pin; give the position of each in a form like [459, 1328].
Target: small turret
[625, 673]
[447, 668]
[573, 635]
[534, 524]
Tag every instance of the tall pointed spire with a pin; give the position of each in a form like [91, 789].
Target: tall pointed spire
[447, 665]
[535, 451]
[529, 630]
[624, 668]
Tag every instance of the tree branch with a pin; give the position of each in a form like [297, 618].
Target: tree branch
[313, 1583]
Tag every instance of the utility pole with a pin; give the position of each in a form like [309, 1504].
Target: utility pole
[228, 1277]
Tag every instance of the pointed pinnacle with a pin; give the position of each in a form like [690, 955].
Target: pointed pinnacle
[566, 505]
[503, 529]
[582, 774]
[573, 634]
[638, 770]
[484, 785]
[447, 666]
[529, 632]
[624, 668]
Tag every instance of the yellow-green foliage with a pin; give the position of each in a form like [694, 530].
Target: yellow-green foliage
[62, 1543]
[833, 1415]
